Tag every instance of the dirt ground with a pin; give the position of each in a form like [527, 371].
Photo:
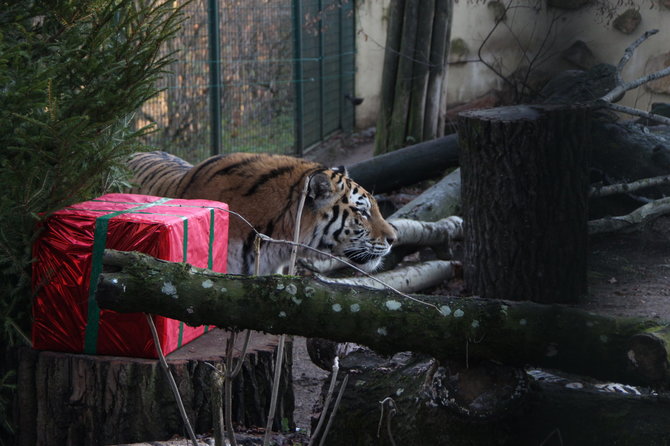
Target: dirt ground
[629, 274]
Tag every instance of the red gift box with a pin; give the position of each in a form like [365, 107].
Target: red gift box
[68, 260]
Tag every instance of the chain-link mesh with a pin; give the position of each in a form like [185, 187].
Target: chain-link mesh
[181, 109]
[261, 108]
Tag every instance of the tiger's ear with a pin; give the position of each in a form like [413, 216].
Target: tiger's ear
[320, 189]
[340, 169]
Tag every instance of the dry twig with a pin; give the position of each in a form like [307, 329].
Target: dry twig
[622, 188]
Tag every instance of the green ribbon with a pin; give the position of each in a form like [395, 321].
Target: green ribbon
[99, 242]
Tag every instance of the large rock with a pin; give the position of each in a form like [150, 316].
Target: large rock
[653, 65]
[628, 21]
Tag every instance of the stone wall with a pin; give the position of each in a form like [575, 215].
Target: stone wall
[549, 36]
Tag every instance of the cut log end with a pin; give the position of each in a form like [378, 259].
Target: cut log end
[648, 357]
[482, 392]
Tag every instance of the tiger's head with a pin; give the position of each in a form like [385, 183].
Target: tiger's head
[349, 222]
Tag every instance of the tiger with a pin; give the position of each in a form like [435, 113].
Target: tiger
[339, 216]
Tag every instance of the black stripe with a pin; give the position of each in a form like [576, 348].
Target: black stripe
[336, 234]
[269, 229]
[274, 173]
[336, 213]
[144, 161]
[197, 169]
[148, 180]
[229, 169]
[299, 183]
[247, 253]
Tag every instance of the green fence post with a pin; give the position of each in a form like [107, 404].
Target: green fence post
[298, 76]
[322, 87]
[214, 76]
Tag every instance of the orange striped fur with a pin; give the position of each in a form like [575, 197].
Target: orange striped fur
[339, 216]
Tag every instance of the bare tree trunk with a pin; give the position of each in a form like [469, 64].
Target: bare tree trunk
[392, 50]
[525, 193]
[403, 85]
[444, 327]
[417, 107]
[436, 95]
[413, 77]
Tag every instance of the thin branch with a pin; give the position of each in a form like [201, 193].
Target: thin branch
[351, 265]
[485, 41]
[643, 214]
[170, 378]
[621, 188]
[620, 89]
[326, 403]
[628, 53]
[228, 389]
[622, 86]
[635, 112]
[392, 411]
[245, 347]
[335, 406]
[282, 338]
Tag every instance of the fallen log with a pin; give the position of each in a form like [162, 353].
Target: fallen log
[438, 201]
[643, 214]
[408, 279]
[517, 333]
[548, 410]
[406, 166]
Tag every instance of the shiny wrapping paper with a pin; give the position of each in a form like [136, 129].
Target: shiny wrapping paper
[68, 256]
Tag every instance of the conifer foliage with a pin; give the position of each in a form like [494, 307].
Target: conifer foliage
[72, 72]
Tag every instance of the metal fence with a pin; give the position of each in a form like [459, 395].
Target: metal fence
[255, 76]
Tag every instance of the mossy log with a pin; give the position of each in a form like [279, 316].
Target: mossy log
[514, 333]
[525, 183]
[75, 399]
[528, 409]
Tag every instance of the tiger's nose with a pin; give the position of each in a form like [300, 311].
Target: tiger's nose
[390, 239]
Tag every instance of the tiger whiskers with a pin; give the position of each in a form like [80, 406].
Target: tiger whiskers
[296, 244]
[351, 265]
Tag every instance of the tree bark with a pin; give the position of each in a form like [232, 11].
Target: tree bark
[417, 106]
[88, 400]
[436, 96]
[406, 166]
[498, 408]
[444, 327]
[397, 133]
[413, 83]
[524, 185]
[389, 73]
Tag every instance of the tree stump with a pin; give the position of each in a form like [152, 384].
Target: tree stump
[78, 399]
[524, 188]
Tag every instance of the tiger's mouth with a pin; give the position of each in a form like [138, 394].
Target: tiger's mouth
[363, 257]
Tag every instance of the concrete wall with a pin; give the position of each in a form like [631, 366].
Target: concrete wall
[371, 23]
[529, 33]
